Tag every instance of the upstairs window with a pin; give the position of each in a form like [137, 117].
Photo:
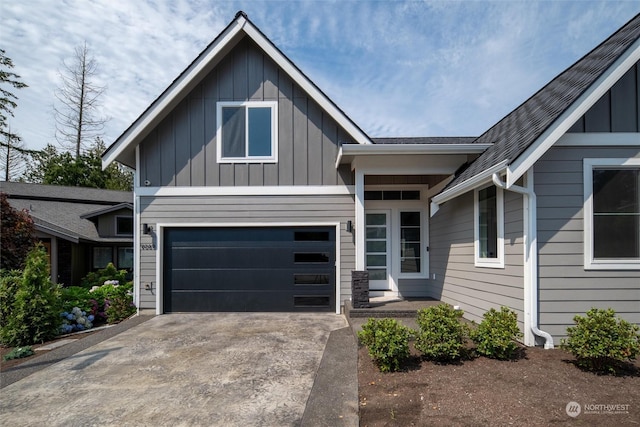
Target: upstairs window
[489, 227]
[124, 226]
[612, 214]
[247, 132]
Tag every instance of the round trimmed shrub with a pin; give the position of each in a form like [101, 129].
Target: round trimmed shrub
[387, 342]
[442, 334]
[496, 335]
[600, 340]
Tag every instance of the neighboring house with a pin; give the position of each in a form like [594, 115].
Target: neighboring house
[255, 192]
[83, 229]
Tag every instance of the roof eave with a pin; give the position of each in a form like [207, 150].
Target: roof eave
[347, 152]
[471, 183]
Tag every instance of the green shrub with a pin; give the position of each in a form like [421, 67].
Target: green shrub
[600, 340]
[98, 278]
[118, 301]
[76, 296]
[442, 335]
[9, 284]
[35, 314]
[387, 342]
[495, 336]
[18, 353]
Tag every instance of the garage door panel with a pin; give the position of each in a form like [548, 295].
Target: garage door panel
[240, 301]
[247, 279]
[249, 269]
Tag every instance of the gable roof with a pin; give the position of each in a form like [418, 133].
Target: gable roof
[123, 149]
[60, 210]
[524, 135]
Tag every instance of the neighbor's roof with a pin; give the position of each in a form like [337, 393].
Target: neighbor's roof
[515, 135]
[58, 210]
[123, 149]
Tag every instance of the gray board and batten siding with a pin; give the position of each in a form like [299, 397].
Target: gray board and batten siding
[238, 210]
[181, 150]
[618, 110]
[458, 281]
[565, 287]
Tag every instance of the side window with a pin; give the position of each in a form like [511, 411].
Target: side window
[489, 227]
[612, 213]
[247, 132]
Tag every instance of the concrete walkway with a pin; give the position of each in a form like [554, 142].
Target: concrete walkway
[226, 369]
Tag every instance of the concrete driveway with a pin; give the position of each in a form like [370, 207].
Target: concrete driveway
[244, 369]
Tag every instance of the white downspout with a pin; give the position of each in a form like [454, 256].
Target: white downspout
[530, 258]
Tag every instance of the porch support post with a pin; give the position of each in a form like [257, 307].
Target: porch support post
[360, 223]
[54, 259]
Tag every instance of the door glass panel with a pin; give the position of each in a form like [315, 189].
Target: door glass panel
[410, 242]
[376, 246]
[377, 219]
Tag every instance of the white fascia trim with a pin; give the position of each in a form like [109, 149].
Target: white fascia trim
[288, 190]
[165, 100]
[562, 124]
[409, 149]
[306, 85]
[616, 139]
[159, 254]
[136, 235]
[57, 233]
[589, 262]
[471, 183]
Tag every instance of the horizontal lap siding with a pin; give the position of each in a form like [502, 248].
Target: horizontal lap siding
[566, 288]
[181, 151]
[458, 281]
[237, 210]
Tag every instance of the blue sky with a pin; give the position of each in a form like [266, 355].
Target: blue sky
[397, 68]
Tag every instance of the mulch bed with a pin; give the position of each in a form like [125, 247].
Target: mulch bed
[531, 391]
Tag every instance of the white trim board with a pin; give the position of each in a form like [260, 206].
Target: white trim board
[160, 245]
[616, 139]
[288, 190]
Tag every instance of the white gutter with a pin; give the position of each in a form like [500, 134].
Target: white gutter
[530, 259]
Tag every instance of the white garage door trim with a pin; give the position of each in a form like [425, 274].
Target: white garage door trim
[160, 248]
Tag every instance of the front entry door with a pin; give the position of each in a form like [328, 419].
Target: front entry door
[378, 249]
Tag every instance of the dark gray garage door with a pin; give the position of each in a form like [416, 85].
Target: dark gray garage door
[249, 269]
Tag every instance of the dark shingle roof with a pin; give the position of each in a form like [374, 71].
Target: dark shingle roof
[59, 209]
[513, 134]
[427, 140]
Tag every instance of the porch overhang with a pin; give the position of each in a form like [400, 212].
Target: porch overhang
[349, 152]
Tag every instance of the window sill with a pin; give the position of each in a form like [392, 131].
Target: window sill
[489, 264]
[613, 265]
[247, 161]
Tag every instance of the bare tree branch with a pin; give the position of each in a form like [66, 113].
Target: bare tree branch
[78, 122]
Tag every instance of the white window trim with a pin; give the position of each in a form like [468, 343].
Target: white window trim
[116, 224]
[274, 132]
[488, 262]
[589, 262]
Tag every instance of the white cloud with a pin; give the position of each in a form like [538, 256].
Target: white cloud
[396, 68]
